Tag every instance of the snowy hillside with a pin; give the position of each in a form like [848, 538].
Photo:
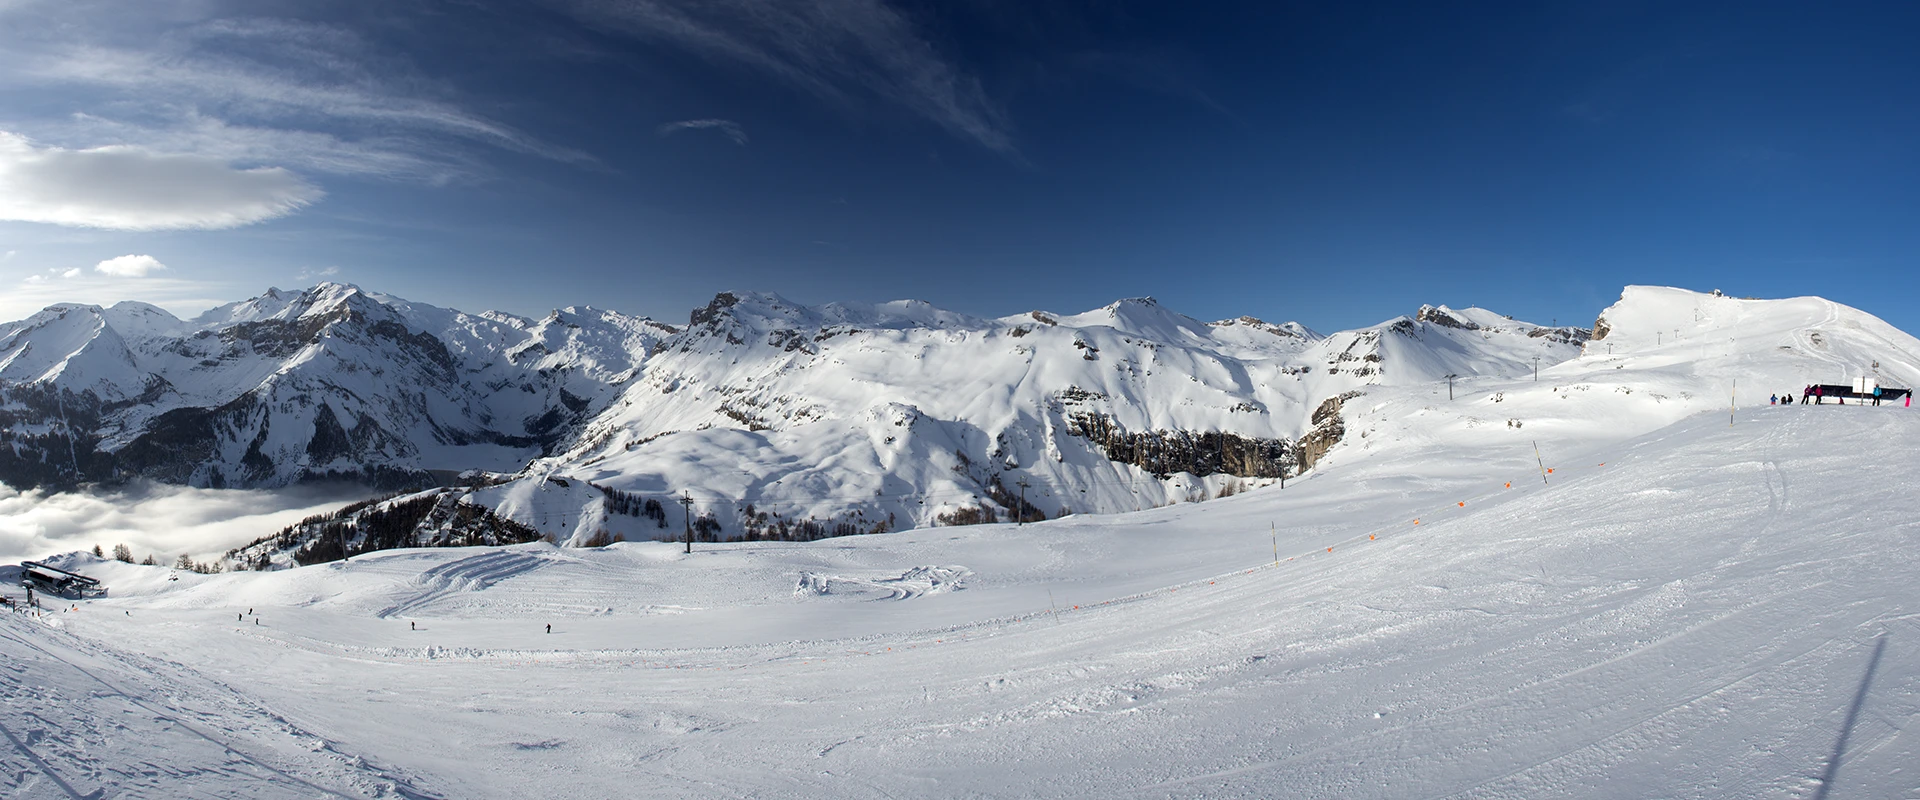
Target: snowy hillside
[1709, 610]
[779, 420]
[773, 415]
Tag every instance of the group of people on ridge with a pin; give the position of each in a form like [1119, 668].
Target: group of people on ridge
[1816, 393]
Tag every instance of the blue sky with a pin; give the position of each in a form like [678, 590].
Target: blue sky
[1331, 163]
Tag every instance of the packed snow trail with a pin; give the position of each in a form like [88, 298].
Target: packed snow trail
[1719, 611]
[97, 722]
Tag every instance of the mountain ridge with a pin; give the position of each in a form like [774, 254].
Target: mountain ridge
[772, 411]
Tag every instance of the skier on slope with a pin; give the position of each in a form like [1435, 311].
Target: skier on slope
[1773, 400]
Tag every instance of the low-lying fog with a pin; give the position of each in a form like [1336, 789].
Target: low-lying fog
[164, 521]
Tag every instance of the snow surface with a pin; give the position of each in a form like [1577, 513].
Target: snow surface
[1689, 605]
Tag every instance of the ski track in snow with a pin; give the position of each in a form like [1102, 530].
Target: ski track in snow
[87, 722]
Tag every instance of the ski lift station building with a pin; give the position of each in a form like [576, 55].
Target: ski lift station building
[59, 582]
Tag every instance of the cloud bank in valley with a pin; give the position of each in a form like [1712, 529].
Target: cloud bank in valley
[165, 521]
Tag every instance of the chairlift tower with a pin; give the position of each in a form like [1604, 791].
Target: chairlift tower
[686, 505]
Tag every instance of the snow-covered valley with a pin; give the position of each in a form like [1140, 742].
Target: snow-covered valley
[1691, 603]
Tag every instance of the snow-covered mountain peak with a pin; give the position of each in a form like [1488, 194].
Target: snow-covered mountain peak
[1284, 330]
[73, 344]
[1438, 341]
[750, 311]
[1474, 318]
[327, 298]
[1442, 315]
[754, 315]
[329, 381]
[1143, 317]
[275, 303]
[1826, 341]
[329, 304]
[135, 309]
[1656, 315]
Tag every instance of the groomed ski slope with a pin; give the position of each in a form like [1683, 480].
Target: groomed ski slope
[1719, 611]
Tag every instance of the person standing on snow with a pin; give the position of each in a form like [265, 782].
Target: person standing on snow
[1773, 400]
[1876, 395]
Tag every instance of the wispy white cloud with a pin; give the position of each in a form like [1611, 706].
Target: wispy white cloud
[389, 157]
[345, 92]
[731, 129]
[130, 188]
[308, 273]
[43, 277]
[176, 76]
[129, 266]
[842, 50]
